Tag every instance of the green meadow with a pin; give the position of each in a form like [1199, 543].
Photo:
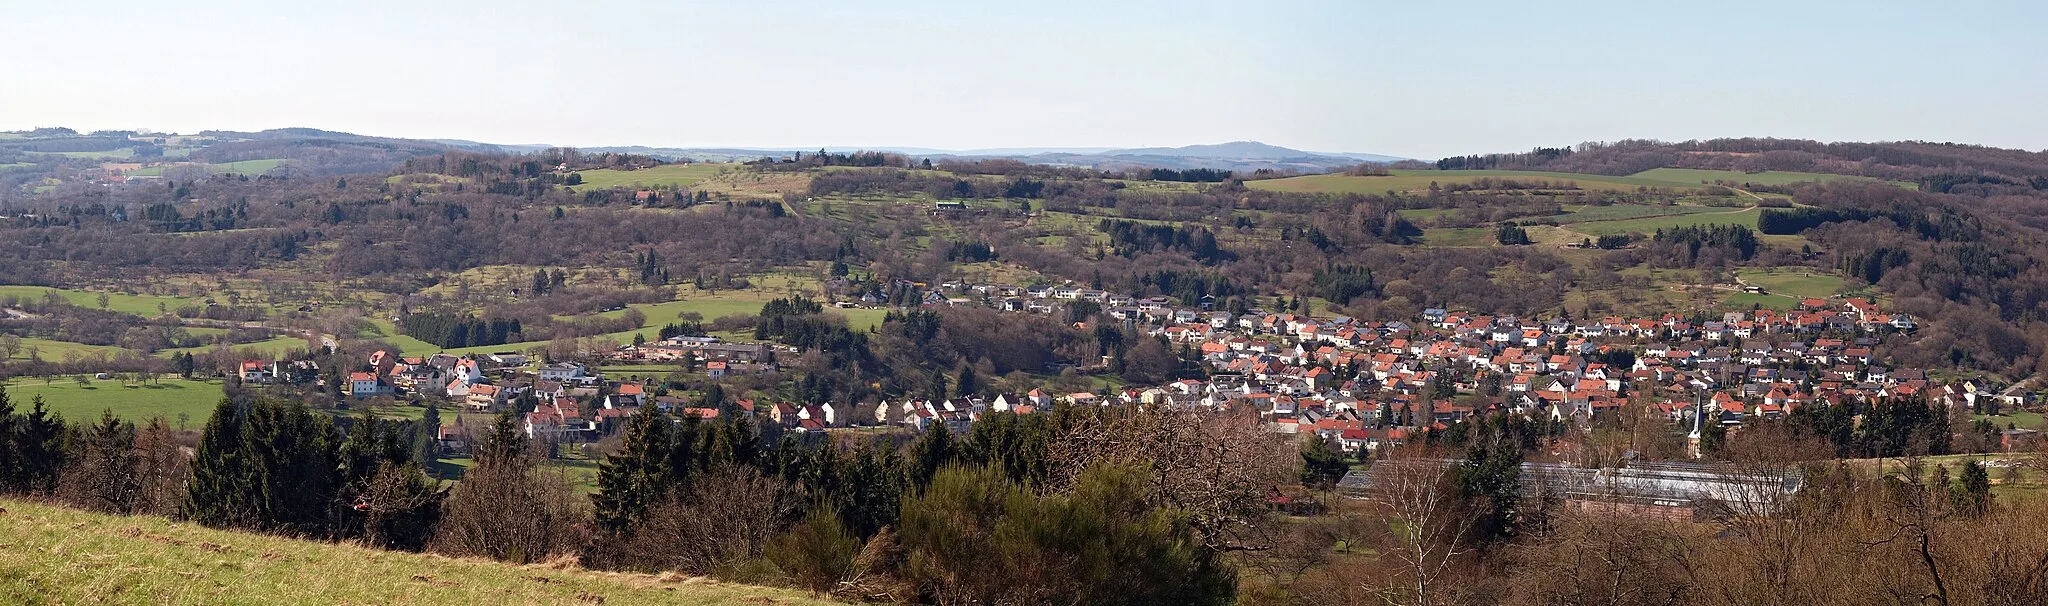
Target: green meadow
[273, 347]
[1745, 300]
[1796, 283]
[134, 402]
[710, 306]
[58, 351]
[141, 305]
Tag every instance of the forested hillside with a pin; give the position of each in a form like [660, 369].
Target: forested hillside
[1961, 252]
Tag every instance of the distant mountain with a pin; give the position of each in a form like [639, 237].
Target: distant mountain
[1246, 150]
[1242, 150]
[1370, 157]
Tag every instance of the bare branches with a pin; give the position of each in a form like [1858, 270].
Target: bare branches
[1217, 466]
[1424, 517]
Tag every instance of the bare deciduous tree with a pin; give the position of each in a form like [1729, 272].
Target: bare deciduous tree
[162, 466]
[725, 516]
[1614, 560]
[511, 511]
[1413, 493]
[1217, 466]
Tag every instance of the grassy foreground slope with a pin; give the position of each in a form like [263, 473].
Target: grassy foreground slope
[53, 555]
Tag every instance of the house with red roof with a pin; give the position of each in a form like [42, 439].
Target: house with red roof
[367, 385]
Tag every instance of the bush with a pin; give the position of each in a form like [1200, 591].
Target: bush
[721, 520]
[976, 537]
[819, 553]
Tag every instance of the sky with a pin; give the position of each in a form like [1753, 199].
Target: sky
[1411, 78]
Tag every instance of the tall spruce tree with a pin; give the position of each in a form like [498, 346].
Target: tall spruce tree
[503, 442]
[639, 475]
[930, 453]
[291, 452]
[39, 449]
[361, 455]
[220, 471]
[1321, 467]
[1972, 495]
[1487, 481]
[10, 456]
[427, 440]
[267, 466]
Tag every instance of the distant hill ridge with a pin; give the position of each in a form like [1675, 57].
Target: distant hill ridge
[365, 152]
[320, 151]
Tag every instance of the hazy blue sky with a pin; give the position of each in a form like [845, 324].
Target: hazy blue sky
[1414, 78]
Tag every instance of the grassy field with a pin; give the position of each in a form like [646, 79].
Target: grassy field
[1419, 180]
[57, 351]
[661, 314]
[246, 167]
[740, 184]
[141, 305]
[388, 333]
[675, 175]
[64, 556]
[137, 403]
[2022, 419]
[274, 347]
[1796, 283]
[1746, 301]
[1650, 225]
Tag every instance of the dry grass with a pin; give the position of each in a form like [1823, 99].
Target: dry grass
[755, 185]
[52, 555]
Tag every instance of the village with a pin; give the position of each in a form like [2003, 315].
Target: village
[1363, 386]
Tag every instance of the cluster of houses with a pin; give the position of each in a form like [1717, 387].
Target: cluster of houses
[1371, 384]
[1363, 385]
[571, 402]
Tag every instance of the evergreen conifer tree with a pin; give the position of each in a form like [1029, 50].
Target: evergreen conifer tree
[932, 451]
[10, 457]
[39, 448]
[105, 474]
[219, 471]
[639, 475]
